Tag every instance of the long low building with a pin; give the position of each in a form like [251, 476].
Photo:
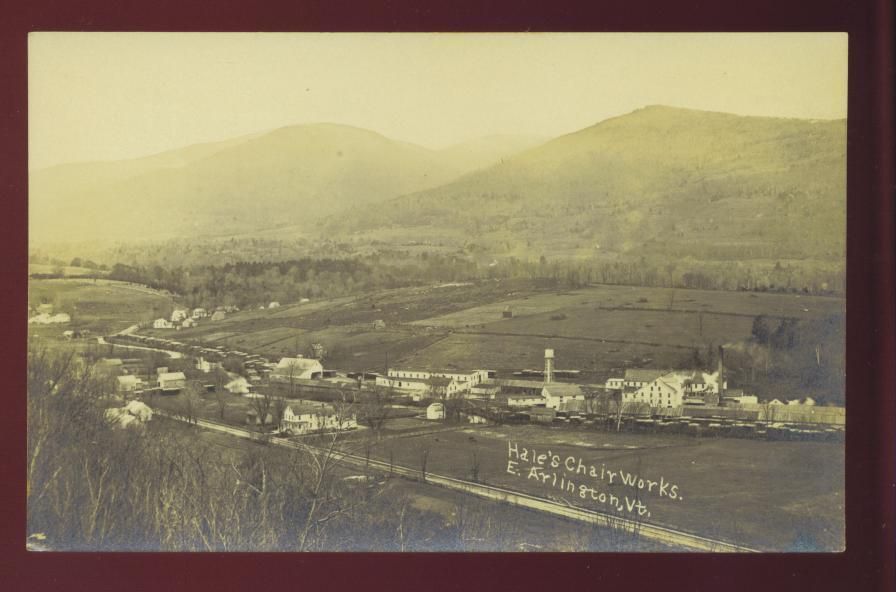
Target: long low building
[424, 388]
[469, 378]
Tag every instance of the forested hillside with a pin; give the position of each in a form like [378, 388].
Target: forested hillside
[660, 181]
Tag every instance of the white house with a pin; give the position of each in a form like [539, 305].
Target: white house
[219, 315]
[172, 382]
[162, 324]
[274, 305]
[127, 383]
[179, 314]
[187, 323]
[436, 411]
[297, 368]
[199, 313]
[309, 417]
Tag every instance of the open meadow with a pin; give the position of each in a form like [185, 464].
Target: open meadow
[103, 306]
[599, 330]
[768, 495]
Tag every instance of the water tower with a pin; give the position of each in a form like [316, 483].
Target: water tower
[548, 366]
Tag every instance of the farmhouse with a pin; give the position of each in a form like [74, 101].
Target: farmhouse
[199, 313]
[288, 369]
[162, 324]
[219, 315]
[127, 383]
[274, 305]
[307, 417]
[172, 382]
[179, 314]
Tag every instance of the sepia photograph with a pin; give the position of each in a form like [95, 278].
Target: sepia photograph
[436, 292]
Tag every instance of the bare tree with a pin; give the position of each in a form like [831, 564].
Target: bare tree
[190, 403]
[220, 382]
[374, 408]
[475, 463]
[424, 459]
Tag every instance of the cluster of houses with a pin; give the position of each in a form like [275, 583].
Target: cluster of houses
[182, 318]
[42, 314]
[165, 381]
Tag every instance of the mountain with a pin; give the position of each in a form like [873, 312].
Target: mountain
[286, 177]
[488, 150]
[658, 181]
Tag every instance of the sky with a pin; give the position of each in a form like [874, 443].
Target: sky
[111, 96]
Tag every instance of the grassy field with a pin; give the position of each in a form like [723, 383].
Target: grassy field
[771, 495]
[490, 526]
[102, 306]
[665, 300]
[598, 330]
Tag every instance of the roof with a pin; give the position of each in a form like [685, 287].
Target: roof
[438, 381]
[643, 375]
[438, 371]
[128, 379]
[172, 376]
[306, 408]
[520, 383]
[563, 389]
[301, 363]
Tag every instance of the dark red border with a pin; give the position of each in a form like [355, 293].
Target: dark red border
[868, 563]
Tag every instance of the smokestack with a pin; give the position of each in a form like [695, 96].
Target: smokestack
[721, 370]
[548, 366]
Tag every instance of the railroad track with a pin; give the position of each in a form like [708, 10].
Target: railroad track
[654, 532]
